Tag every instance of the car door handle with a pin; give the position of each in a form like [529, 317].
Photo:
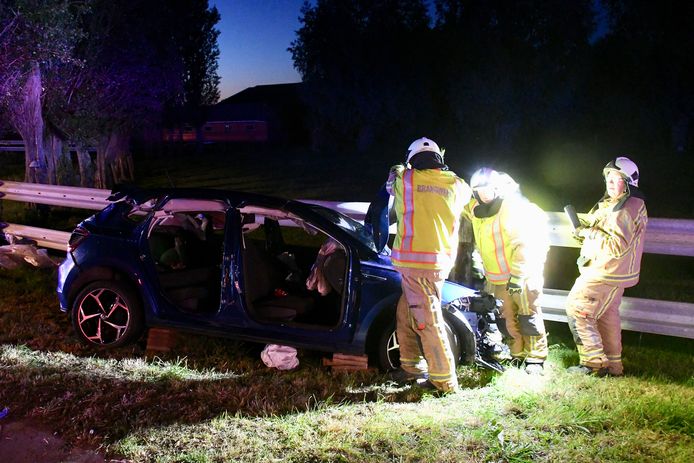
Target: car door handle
[374, 277]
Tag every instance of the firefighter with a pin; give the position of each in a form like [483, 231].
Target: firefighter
[511, 236]
[612, 238]
[428, 202]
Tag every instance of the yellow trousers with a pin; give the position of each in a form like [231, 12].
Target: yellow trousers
[421, 330]
[522, 315]
[592, 308]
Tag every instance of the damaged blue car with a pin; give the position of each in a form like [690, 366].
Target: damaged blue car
[250, 267]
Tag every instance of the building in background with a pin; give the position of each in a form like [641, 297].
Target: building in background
[261, 114]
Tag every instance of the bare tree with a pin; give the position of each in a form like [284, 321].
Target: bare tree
[27, 119]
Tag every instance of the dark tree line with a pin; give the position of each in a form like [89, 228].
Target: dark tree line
[92, 73]
[495, 75]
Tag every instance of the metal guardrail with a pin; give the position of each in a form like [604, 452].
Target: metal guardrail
[641, 315]
[51, 239]
[673, 237]
[663, 236]
[55, 195]
[19, 146]
[12, 145]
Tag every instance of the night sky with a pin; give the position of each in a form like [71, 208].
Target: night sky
[253, 42]
[255, 35]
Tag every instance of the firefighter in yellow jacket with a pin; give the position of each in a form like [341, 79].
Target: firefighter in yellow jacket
[610, 261]
[428, 202]
[511, 235]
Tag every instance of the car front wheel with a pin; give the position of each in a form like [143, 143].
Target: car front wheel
[389, 348]
[107, 314]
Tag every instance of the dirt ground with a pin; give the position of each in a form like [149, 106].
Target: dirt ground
[30, 442]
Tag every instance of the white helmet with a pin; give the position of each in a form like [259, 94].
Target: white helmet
[626, 168]
[501, 183]
[483, 177]
[423, 144]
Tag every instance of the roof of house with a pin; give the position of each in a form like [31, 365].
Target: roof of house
[276, 93]
[260, 102]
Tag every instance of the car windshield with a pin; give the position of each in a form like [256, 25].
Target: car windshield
[349, 225]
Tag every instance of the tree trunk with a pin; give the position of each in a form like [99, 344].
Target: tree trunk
[53, 149]
[26, 117]
[114, 161]
[86, 167]
[101, 178]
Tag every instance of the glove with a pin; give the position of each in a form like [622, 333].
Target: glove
[580, 233]
[583, 261]
[514, 285]
[396, 169]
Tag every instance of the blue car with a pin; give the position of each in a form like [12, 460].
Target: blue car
[249, 267]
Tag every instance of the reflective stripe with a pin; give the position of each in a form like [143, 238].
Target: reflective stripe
[408, 209]
[497, 277]
[420, 257]
[587, 357]
[589, 272]
[499, 246]
[635, 263]
[592, 353]
[409, 362]
[632, 260]
[608, 302]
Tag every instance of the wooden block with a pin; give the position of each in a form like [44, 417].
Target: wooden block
[345, 362]
[160, 340]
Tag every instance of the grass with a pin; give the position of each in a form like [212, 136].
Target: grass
[213, 400]
[294, 173]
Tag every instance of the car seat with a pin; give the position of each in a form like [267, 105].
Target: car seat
[264, 279]
[334, 270]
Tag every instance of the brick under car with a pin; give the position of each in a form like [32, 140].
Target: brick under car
[249, 267]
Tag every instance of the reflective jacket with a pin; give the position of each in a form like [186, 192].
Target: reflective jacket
[512, 238]
[613, 244]
[428, 204]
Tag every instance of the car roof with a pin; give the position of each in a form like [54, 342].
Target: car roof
[236, 199]
[209, 196]
[232, 197]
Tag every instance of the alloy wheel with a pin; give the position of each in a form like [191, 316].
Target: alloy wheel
[103, 316]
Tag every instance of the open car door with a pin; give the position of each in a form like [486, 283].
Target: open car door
[377, 218]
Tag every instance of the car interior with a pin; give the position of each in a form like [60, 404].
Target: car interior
[292, 271]
[187, 247]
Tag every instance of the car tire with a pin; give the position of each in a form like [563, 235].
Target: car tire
[389, 351]
[107, 314]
